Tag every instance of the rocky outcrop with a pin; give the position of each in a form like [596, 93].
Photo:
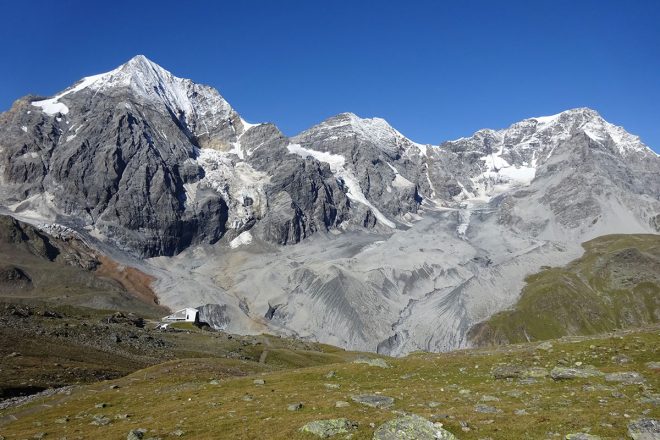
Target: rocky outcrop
[49, 242]
[303, 196]
[55, 263]
[14, 278]
[214, 315]
[644, 429]
[387, 167]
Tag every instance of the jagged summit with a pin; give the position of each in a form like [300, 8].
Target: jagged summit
[141, 62]
[578, 112]
[350, 122]
[148, 83]
[353, 128]
[539, 135]
[591, 123]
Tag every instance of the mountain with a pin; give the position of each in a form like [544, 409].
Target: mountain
[155, 164]
[399, 246]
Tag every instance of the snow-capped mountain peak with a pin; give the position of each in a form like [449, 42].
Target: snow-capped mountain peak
[148, 83]
[563, 125]
[375, 131]
[509, 157]
[200, 108]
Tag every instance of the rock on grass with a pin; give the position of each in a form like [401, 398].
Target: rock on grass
[136, 434]
[564, 373]
[411, 427]
[374, 400]
[582, 436]
[626, 377]
[328, 428]
[486, 409]
[375, 362]
[295, 406]
[644, 429]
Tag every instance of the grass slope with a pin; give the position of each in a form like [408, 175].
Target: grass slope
[53, 346]
[614, 285]
[217, 398]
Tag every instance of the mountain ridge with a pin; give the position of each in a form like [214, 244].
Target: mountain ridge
[137, 66]
[405, 246]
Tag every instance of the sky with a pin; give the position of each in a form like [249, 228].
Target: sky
[435, 70]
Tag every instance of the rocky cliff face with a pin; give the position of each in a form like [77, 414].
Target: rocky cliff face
[157, 163]
[405, 246]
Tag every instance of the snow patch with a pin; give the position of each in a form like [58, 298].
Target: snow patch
[545, 120]
[500, 176]
[236, 182]
[600, 130]
[247, 125]
[400, 181]
[244, 238]
[51, 106]
[422, 149]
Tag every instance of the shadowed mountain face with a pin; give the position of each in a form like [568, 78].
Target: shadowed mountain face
[401, 246]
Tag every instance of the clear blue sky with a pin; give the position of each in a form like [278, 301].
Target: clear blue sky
[436, 70]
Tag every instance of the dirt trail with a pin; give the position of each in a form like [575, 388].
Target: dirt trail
[264, 354]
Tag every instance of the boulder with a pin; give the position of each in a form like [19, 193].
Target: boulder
[329, 428]
[411, 427]
[295, 406]
[486, 409]
[374, 400]
[136, 434]
[565, 373]
[644, 429]
[625, 377]
[655, 366]
[508, 371]
[375, 362]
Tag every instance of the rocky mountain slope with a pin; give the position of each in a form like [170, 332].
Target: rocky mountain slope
[46, 264]
[402, 246]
